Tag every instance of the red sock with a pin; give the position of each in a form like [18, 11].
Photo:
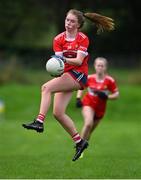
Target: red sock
[40, 118]
[76, 138]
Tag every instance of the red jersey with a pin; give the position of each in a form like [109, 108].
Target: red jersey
[69, 49]
[91, 99]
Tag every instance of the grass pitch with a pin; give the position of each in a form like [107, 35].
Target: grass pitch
[114, 151]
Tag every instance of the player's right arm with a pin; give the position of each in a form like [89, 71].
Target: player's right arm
[79, 95]
[57, 45]
[78, 98]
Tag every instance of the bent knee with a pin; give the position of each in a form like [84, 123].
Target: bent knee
[58, 114]
[45, 88]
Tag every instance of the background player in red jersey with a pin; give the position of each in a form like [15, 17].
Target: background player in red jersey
[71, 46]
[101, 87]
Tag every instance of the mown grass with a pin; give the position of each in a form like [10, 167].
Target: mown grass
[114, 151]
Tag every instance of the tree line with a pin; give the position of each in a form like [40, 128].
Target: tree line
[30, 25]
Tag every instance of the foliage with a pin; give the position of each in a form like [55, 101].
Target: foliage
[12, 71]
[33, 24]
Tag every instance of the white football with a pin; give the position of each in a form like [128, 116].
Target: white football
[55, 66]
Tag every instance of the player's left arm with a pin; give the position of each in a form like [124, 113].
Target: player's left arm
[81, 53]
[76, 61]
[114, 90]
[114, 95]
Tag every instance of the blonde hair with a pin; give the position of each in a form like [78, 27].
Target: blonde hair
[101, 22]
[101, 59]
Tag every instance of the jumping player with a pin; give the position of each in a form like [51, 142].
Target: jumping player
[101, 87]
[71, 46]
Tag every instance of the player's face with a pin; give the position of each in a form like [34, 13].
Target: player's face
[100, 67]
[71, 23]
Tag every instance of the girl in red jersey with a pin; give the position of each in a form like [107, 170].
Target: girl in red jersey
[101, 87]
[71, 46]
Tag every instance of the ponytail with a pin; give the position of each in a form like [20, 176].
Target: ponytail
[102, 22]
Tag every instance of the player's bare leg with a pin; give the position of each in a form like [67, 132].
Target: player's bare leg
[89, 124]
[88, 114]
[61, 101]
[95, 124]
[64, 83]
[60, 84]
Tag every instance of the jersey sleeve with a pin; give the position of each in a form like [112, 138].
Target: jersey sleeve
[113, 86]
[83, 47]
[57, 47]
